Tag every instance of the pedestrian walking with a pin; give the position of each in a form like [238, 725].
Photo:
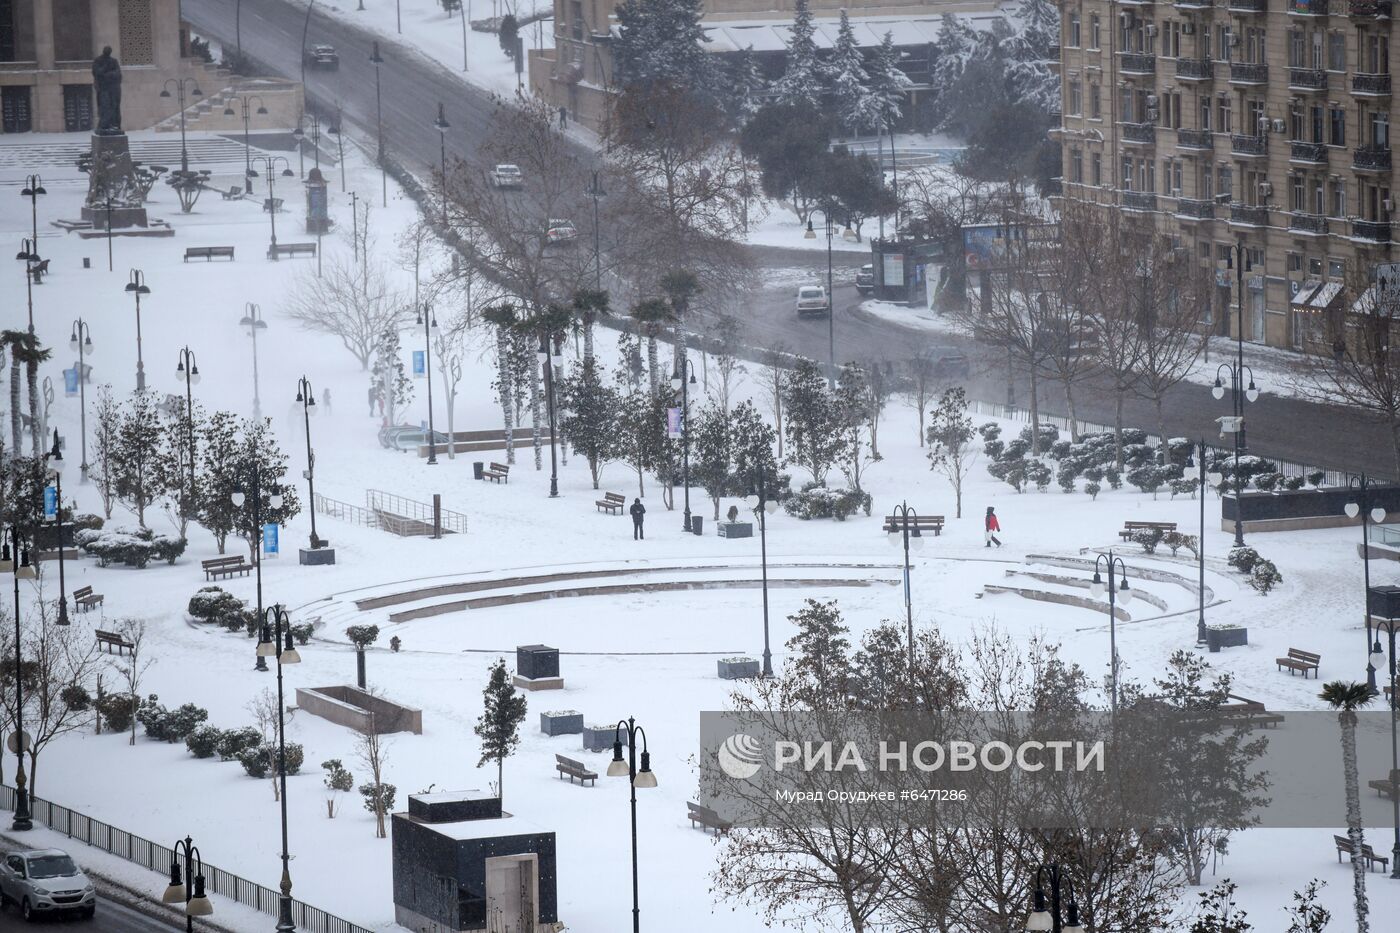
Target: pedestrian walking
[992, 527]
[639, 512]
[373, 396]
[563, 118]
[326, 400]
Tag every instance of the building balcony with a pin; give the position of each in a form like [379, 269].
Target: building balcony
[1193, 209]
[1307, 7]
[1144, 133]
[1195, 69]
[1314, 224]
[1139, 201]
[1253, 215]
[1054, 188]
[1376, 230]
[1137, 63]
[1249, 145]
[1370, 159]
[1248, 6]
[1249, 73]
[1307, 153]
[1307, 79]
[1362, 9]
[1193, 4]
[1194, 139]
[1369, 85]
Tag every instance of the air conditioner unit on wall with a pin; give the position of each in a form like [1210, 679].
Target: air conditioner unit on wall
[1280, 126]
[1266, 188]
[1234, 40]
[1188, 29]
[1151, 29]
[1388, 205]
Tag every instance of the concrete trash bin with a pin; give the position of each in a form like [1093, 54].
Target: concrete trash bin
[696, 523]
[478, 468]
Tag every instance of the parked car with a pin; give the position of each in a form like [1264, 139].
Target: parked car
[507, 176]
[46, 882]
[811, 299]
[560, 232]
[407, 437]
[949, 363]
[865, 279]
[323, 56]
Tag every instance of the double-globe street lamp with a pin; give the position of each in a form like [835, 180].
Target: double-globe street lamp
[636, 777]
[376, 59]
[1058, 912]
[245, 104]
[81, 343]
[33, 190]
[1117, 590]
[187, 371]
[253, 322]
[14, 559]
[180, 102]
[1361, 505]
[299, 135]
[136, 286]
[428, 321]
[1378, 657]
[1199, 470]
[307, 399]
[681, 381]
[29, 255]
[442, 126]
[1234, 426]
[55, 471]
[763, 506]
[904, 525]
[830, 299]
[252, 498]
[197, 903]
[270, 168]
[275, 641]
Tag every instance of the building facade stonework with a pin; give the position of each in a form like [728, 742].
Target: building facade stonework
[1250, 130]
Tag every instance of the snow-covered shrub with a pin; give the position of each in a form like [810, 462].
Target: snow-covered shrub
[989, 431]
[116, 710]
[1315, 478]
[213, 603]
[1243, 559]
[261, 760]
[1061, 449]
[1049, 434]
[1183, 487]
[993, 449]
[1093, 489]
[1133, 436]
[1136, 455]
[1268, 482]
[301, 631]
[1293, 483]
[1179, 449]
[1115, 479]
[232, 742]
[817, 501]
[1176, 541]
[204, 741]
[169, 725]
[75, 697]
[1147, 478]
[1012, 472]
[1016, 449]
[1040, 474]
[1265, 576]
[1066, 476]
[384, 792]
[85, 521]
[130, 545]
[1148, 539]
[167, 548]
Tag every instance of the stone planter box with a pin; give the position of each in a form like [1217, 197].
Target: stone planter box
[1233, 637]
[561, 722]
[536, 661]
[1383, 602]
[735, 529]
[317, 557]
[600, 738]
[738, 668]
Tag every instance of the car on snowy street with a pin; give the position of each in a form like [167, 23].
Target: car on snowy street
[45, 882]
[865, 279]
[949, 362]
[507, 176]
[811, 299]
[561, 232]
[407, 437]
[323, 56]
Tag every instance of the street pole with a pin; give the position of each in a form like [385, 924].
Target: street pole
[180, 102]
[188, 370]
[429, 322]
[907, 529]
[285, 923]
[253, 320]
[442, 127]
[55, 457]
[1116, 588]
[595, 192]
[1377, 656]
[682, 380]
[81, 341]
[759, 504]
[636, 777]
[29, 253]
[308, 405]
[16, 560]
[1362, 506]
[830, 305]
[378, 60]
[137, 287]
[269, 164]
[545, 355]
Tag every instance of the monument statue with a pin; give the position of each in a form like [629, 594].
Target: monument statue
[107, 79]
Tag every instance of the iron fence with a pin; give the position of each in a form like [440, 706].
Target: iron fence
[157, 858]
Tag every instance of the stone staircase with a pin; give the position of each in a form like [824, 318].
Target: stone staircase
[282, 99]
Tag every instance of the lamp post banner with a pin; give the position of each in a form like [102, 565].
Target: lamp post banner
[269, 537]
[70, 381]
[673, 423]
[1151, 765]
[50, 502]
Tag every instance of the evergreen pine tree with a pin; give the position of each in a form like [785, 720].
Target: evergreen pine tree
[851, 87]
[888, 84]
[813, 425]
[802, 80]
[592, 411]
[499, 726]
[136, 465]
[746, 86]
[662, 41]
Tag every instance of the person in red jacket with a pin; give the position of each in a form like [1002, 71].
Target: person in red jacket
[992, 526]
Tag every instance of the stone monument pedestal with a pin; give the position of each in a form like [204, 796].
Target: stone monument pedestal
[321, 556]
[111, 175]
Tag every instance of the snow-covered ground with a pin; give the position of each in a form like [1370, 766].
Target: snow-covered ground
[650, 654]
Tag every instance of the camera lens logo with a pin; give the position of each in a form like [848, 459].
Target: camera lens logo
[740, 756]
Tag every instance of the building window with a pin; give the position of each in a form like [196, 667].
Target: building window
[576, 18]
[1380, 129]
[1226, 179]
[1226, 122]
[1298, 198]
[1096, 168]
[1295, 262]
[1172, 101]
[1074, 29]
[1254, 46]
[15, 113]
[1336, 269]
[1094, 31]
[1076, 166]
[1336, 51]
[1375, 53]
[1224, 253]
[1336, 126]
[1314, 267]
[1075, 105]
[1127, 179]
[1297, 43]
[1095, 105]
[1223, 44]
[1254, 258]
[1337, 199]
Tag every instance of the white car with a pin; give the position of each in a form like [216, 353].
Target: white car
[46, 882]
[811, 299]
[560, 232]
[507, 176]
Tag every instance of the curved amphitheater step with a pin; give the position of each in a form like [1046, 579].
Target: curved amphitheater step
[1063, 599]
[1146, 573]
[1079, 583]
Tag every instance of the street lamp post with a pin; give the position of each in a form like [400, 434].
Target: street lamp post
[299, 135]
[595, 191]
[906, 526]
[1047, 917]
[247, 144]
[239, 498]
[637, 777]
[762, 506]
[335, 131]
[29, 255]
[81, 343]
[1361, 505]
[308, 408]
[549, 358]
[253, 320]
[1238, 396]
[811, 234]
[428, 321]
[14, 558]
[1378, 657]
[1117, 589]
[1200, 470]
[33, 190]
[196, 903]
[270, 167]
[378, 60]
[55, 459]
[681, 381]
[137, 287]
[187, 371]
[275, 641]
[180, 102]
[442, 127]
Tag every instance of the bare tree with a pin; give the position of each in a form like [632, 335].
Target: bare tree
[921, 386]
[773, 377]
[950, 441]
[267, 718]
[728, 339]
[372, 751]
[1074, 278]
[353, 305]
[132, 668]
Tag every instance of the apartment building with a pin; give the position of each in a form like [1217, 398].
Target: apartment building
[1253, 130]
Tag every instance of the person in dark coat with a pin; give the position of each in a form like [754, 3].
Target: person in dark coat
[638, 511]
[992, 526]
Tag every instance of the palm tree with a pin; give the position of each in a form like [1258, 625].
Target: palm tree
[13, 339]
[1346, 699]
[680, 286]
[33, 355]
[589, 305]
[503, 318]
[552, 324]
[651, 313]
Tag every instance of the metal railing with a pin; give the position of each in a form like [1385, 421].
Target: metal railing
[381, 501]
[381, 515]
[157, 858]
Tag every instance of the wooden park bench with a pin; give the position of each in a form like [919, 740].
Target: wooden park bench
[1251, 712]
[272, 205]
[291, 250]
[208, 253]
[933, 523]
[612, 503]
[109, 640]
[573, 770]
[706, 818]
[1132, 528]
[1367, 853]
[498, 473]
[39, 270]
[84, 598]
[225, 567]
[232, 194]
[1386, 788]
[1299, 660]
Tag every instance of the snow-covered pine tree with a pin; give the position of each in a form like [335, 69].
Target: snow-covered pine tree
[746, 86]
[885, 101]
[803, 78]
[394, 385]
[850, 83]
[1027, 69]
[662, 41]
[957, 45]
